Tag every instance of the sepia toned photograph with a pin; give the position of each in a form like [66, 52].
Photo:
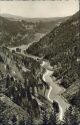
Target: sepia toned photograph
[39, 62]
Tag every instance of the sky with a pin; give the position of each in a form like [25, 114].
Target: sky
[41, 9]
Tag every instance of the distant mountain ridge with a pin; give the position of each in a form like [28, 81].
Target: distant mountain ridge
[16, 31]
[14, 17]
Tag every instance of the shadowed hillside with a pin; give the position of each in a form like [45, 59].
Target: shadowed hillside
[57, 40]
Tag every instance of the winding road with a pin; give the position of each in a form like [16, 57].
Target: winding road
[55, 90]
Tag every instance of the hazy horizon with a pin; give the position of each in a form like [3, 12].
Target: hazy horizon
[39, 9]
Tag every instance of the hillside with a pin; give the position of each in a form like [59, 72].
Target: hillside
[16, 31]
[60, 35]
[62, 46]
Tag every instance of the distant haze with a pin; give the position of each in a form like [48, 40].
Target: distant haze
[40, 9]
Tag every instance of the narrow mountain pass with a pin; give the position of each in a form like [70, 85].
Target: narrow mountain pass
[55, 90]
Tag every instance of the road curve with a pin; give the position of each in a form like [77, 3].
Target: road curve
[55, 90]
[48, 96]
